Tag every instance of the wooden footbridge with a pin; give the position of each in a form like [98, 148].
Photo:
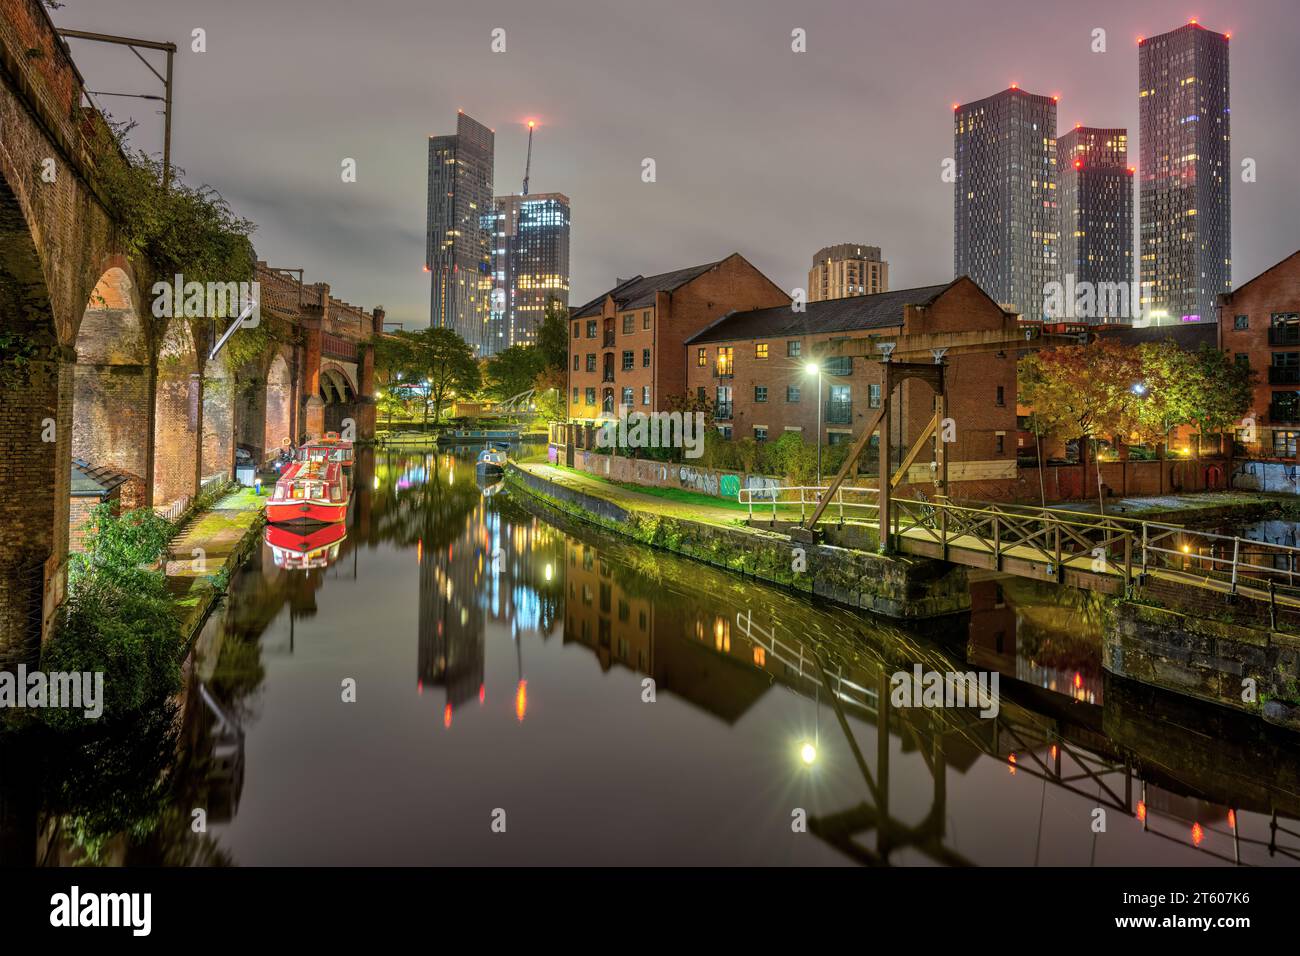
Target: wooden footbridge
[1092, 551]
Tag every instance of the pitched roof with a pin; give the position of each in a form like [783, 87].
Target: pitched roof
[1227, 297]
[640, 291]
[881, 310]
[1189, 336]
[93, 481]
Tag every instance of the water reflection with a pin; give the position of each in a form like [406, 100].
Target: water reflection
[537, 648]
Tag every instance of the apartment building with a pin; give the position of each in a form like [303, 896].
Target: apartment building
[626, 345]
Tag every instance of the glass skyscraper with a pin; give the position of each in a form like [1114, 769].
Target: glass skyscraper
[1186, 227]
[1096, 200]
[458, 251]
[1005, 217]
[530, 265]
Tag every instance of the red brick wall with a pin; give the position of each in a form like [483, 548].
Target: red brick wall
[112, 423]
[79, 509]
[1275, 290]
[176, 436]
[733, 285]
[972, 382]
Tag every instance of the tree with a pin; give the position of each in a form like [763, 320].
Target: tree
[1220, 391]
[1082, 391]
[445, 364]
[512, 371]
[550, 385]
[553, 335]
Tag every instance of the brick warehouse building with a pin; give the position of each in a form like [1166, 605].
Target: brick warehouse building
[1259, 324]
[626, 345]
[753, 367]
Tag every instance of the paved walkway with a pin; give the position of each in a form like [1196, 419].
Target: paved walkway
[654, 504]
[1183, 506]
[220, 532]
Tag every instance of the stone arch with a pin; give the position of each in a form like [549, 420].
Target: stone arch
[339, 393]
[264, 405]
[35, 437]
[112, 403]
[178, 400]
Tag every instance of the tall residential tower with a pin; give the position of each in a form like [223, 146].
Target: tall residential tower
[1005, 199]
[1186, 155]
[847, 269]
[530, 265]
[458, 248]
[1096, 200]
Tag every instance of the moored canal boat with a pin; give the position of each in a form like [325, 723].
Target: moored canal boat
[305, 547]
[491, 462]
[335, 448]
[313, 488]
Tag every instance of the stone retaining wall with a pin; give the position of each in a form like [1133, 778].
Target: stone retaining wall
[895, 586]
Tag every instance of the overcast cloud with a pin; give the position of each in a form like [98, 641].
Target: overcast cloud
[759, 150]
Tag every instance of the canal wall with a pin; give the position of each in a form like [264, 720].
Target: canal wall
[1207, 650]
[899, 587]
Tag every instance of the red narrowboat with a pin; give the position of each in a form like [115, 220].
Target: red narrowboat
[313, 488]
[312, 547]
[335, 448]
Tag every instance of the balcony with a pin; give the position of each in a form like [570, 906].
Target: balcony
[722, 411]
[1284, 375]
[839, 413]
[722, 371]
[1284, 414]
[609, 340]
[608, 376]
[1288, 334]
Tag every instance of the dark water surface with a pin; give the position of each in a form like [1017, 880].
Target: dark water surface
[500, 664]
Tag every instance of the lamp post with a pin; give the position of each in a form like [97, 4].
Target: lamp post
[812, 368]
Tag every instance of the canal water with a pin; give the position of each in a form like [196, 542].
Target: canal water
[458, 681]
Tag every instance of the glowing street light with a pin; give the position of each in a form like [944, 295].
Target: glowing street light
[808, 754]
[812, 368]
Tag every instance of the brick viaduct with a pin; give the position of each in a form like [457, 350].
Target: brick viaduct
[87, 371]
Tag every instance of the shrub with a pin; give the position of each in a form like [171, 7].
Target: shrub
[118, 618]
[128, 633]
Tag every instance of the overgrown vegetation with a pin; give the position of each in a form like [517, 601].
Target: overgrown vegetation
[118, 618]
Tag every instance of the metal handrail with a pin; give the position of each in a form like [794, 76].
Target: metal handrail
[1144, 541]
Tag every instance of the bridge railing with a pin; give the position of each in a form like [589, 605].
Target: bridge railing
[1102, 544]
[1227, 559]
[780, 503]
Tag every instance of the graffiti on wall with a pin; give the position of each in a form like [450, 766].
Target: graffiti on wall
[698, 479]
[760, 488]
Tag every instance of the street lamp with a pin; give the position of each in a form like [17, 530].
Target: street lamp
[812, 368]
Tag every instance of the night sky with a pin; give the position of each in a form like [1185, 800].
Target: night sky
[759, 150]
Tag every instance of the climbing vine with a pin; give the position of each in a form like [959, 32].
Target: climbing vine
[180, 229]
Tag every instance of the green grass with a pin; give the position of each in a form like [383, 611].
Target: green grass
[678, 495]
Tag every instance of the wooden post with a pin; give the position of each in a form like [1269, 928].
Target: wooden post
[884, 497]
[940, 452]
[1128, 563]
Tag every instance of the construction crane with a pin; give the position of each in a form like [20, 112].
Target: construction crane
[528, 165]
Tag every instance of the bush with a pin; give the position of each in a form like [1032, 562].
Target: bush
[118, 618]
[129, 634]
